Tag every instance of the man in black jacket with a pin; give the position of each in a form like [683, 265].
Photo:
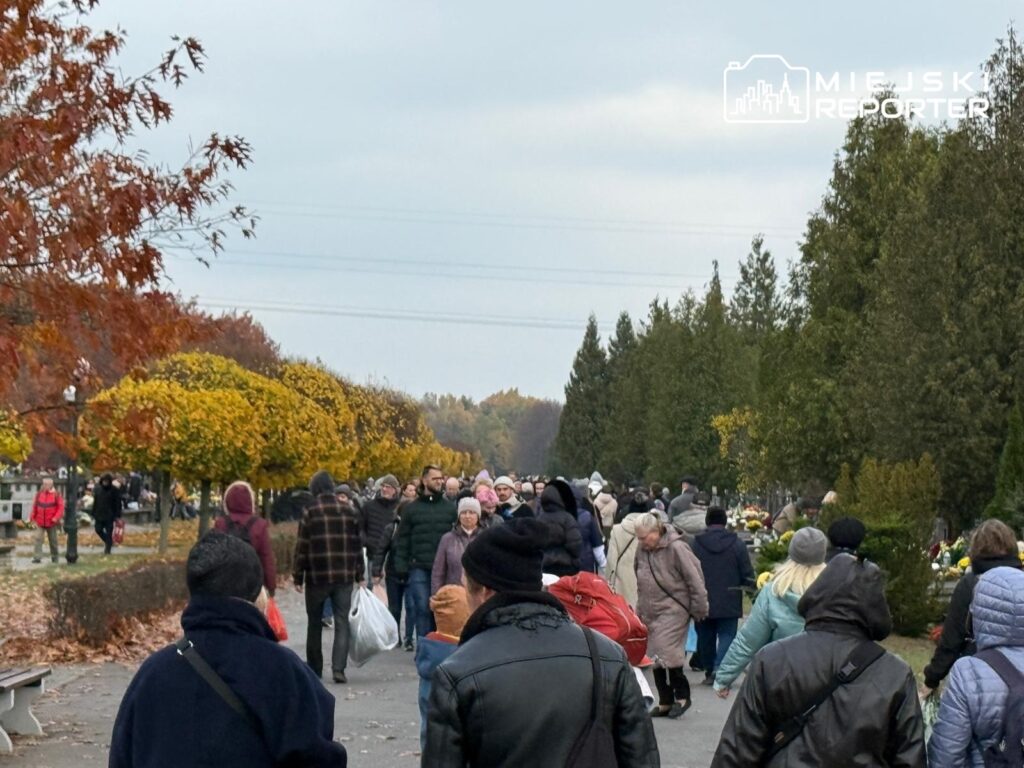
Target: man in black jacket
[170, 715]
[873, 720]
[517, 691]
[727, 570]
[376, 515]
[106, 508]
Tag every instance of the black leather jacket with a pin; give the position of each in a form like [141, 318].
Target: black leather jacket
[516, 692]
[875, 720]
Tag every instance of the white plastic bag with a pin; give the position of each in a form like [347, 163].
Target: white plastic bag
[371, 627]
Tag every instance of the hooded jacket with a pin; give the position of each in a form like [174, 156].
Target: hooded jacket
[295, 711]
[515, 692]
[875, 720]
[425, 520]
[973, 709]
[725, 563]
[955, 640]
[106, 503]
[565, 541]
[259, 537]
[622, 546]
[606, 506]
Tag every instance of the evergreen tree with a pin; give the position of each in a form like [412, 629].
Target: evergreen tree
[623, 454]
[756, 306]
[1008, 503]
[585, 415]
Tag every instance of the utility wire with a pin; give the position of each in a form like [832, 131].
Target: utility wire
[521, 276]
[517, 269]
[398, 315]
[659, 225]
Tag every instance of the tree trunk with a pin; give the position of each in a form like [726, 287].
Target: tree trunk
[204, 507]
[164, 505]
[267, 501]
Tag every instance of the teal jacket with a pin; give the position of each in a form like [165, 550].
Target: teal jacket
[772, 618]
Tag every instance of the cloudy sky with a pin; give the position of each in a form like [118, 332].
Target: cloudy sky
[447, 191]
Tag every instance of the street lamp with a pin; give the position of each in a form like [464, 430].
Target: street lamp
[70, 508]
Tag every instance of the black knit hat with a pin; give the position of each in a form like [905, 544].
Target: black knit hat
[846, 533]
[508, 557]
[223, 566]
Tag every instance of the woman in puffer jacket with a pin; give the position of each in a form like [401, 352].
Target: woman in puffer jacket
[775, 614]
[565, 542]
[973, 709]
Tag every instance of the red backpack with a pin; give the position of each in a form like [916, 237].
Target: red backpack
[591, 603]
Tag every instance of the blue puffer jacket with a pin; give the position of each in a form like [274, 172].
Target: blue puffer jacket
[974, 703]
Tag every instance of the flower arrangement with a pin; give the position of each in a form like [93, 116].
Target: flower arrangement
[754, 525]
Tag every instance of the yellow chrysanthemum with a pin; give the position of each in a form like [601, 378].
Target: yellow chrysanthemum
[963, 563]
[786, 537]
[763, 579]
[753, 525]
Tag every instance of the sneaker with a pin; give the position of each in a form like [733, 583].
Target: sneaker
[409, 646]
[328, 623]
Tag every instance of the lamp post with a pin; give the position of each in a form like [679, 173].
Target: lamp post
[71, 505]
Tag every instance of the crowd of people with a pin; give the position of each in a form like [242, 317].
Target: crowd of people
[466, 565]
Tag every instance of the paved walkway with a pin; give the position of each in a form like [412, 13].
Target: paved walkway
[376, 715]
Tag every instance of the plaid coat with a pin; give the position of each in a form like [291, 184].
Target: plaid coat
[329, 549]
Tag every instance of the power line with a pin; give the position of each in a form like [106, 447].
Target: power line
[690, 231]
[398, 315]
[654, 223]
[518, 277]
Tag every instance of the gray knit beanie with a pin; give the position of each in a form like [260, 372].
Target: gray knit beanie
[808, 546]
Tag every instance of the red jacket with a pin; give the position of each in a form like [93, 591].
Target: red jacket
[47, 509]
[259, 537]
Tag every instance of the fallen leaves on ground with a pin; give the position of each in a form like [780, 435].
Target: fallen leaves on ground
[27, 639]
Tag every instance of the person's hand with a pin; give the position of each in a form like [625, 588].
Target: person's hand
[924, 691]
[298, 588]
[722, 694]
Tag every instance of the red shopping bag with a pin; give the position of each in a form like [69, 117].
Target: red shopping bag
[118, 534]
[276, 620]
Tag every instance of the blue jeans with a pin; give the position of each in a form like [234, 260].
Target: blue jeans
[398, 595]
[715, 636]
[419, 590]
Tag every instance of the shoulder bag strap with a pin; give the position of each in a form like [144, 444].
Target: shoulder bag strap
[1002, 667]
[632, 543]
[650, 564]
[862, 657]
[188, 652]
[595, 664]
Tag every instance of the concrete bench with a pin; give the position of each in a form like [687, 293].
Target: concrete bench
[18, 689]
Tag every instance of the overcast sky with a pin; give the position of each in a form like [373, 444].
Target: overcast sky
[509, 168]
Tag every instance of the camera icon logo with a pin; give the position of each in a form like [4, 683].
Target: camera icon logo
[766, 89]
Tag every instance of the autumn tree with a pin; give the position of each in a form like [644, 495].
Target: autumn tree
[238, 337]
[84, 215]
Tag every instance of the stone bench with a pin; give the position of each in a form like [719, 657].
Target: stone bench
[18, 689]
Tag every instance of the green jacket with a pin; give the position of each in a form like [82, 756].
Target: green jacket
[425, 520]
[772, 618]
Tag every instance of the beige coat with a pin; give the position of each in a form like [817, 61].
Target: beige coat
[606, 507]
[668, 608]
[622, 546]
